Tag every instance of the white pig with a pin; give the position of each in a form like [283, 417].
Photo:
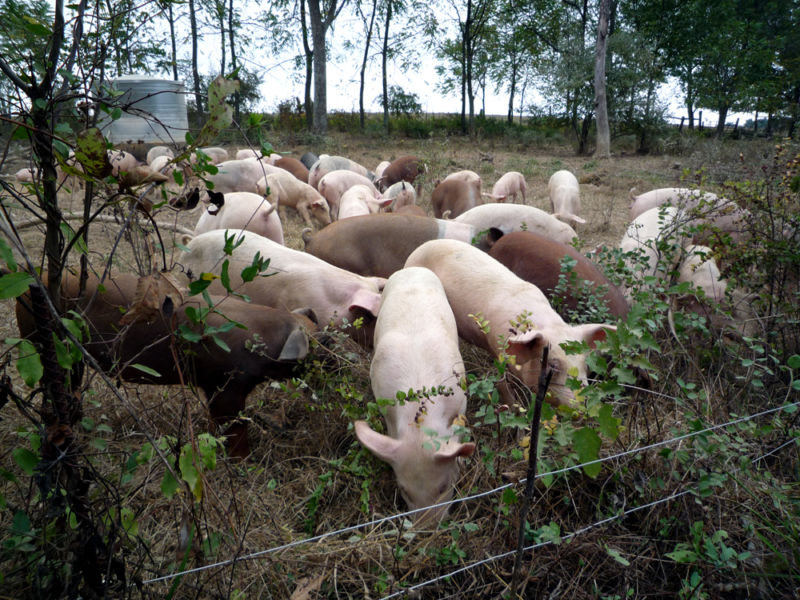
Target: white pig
[416, 348]
[517, 313]
[287, 190]
[336, 183]
[240, 175]
[241, 210]
[565, 197]
[401, 194]
[508, 186]
[517, 217]
[295, 280]
[357, 201]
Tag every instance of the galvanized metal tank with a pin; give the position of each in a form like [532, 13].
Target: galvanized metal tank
[154, 110]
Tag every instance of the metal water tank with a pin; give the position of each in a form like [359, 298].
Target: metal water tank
[154, 110]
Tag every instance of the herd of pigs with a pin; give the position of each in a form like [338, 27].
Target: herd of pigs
[481, 271]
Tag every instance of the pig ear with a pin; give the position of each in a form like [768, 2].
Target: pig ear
[592, 334]
[526, 346]
[309, 313]
[452, 451]
[296, 345]
[382, 446]
[366, 300]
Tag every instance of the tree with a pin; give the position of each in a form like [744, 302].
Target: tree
[603, 148]
[322, 14]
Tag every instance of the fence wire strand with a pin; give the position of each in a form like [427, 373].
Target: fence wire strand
[454, 501]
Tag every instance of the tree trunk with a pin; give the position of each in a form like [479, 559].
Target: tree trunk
[603, 148]
[195, 75]
[723, 113]
[174, 61]
[583, 140]
[318, 29]
[361, 116]
[308, 104]
[511, 92]
[384, 72]
[237, 97]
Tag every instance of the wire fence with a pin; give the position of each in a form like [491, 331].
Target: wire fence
[402, 515]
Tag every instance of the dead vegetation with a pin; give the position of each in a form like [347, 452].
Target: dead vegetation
[308, 478]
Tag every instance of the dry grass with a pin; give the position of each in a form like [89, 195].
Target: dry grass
[308, 476]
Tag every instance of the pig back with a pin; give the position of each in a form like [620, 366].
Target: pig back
[538, 259]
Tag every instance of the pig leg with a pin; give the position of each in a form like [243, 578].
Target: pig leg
[302, 208]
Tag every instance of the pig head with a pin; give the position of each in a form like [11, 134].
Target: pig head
[416, 348]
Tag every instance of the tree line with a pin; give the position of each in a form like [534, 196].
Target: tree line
[733, 55]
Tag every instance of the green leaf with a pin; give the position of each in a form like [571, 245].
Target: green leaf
[169, 485]
[683, 556]
[92, 154]
[189, 335]
[21, 522]
[146, 369]
[587, 444]
[197, 287]
[609, 425]
[189, 472]
[29, 363]
[225, 277]
[14, 284]
[26, 460]
[794, 361]
[617, 556]
[219, 342]
[7, 255]
[509, 496]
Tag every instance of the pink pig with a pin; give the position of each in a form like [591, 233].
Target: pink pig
[285, 189]
[565, 197]
[241, 210]
[508, 186]
[240, 175]
[357, 201]
[336, 183]
[516, 312]
[416, 348]
[295, 279]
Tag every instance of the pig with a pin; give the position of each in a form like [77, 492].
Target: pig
[378, 245]
[286, 190]
[245, 153]
[565, 197]
[410, 209]
[215, 155]
[157, 151]
[241, 210]
[401, 194]
[357, 201]
[508, 186]
[326, 164]
[454, 197]
[520, 320]
[295, 279]
[226, 378]
[466, 176]
[517, 217]
[380, 169]
[679, 197]
[294, 166]
[538, 259]
[24, 175]
[334, 184]
[405, 168]
[646, 235]
[699, 267]
[122, 162]
[416, 348]
[308, 159]
[240, 175]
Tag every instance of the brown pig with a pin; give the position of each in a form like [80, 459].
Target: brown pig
[294, 166]
[226, 378]
[378, 245]
[538, 260]
[405, 168]
[453, 197]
